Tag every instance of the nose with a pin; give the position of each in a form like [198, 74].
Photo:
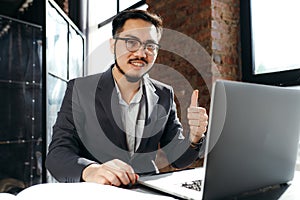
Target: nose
[141, 52]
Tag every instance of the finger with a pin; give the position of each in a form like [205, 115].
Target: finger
[110, 175]
[129, 172]
[197, 123]
[133, 177]
[137, 176]
[196, 109]
[194, 98]
[102, 180]
[197, 131]
[194, 122]
[197, 116]
[116, 176]
[123, 177]
[111, 179]
[125, 172]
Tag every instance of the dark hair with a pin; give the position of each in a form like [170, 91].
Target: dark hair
[120, 19]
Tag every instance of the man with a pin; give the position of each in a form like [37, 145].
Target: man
[111, 125]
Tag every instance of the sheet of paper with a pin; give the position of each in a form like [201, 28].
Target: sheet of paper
[81, 191]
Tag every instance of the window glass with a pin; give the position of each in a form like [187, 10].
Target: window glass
[127, 3]
[270, 43]
[100, 56]
[100, 11]
[57, 43]
[143, 7]
[76, 53]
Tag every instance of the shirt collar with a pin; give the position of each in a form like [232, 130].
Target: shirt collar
[137, 97]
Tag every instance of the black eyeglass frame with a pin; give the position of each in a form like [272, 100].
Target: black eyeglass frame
[126, 39]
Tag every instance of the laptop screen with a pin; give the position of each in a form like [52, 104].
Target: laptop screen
[253, 137]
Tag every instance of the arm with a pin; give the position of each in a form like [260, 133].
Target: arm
[65, 159]
[69, 161]
[181, 151]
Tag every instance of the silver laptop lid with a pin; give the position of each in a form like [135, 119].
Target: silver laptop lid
[253, 137]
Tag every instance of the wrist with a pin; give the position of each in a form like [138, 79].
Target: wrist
[197, 145]
[88, 170]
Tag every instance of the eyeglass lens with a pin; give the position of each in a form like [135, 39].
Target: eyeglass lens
[133, 45]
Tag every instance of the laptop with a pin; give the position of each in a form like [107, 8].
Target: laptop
[252, 143]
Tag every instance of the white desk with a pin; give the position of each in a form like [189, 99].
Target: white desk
[291, 191]
[91, 190]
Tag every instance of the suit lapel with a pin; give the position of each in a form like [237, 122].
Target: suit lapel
[151, 113]
[152, 97]
[108, 112]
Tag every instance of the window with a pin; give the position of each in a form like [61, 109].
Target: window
[271, 42]
[99, 33]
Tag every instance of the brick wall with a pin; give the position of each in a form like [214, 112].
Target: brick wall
[207, 49]
[213, 24]
[225, 33]
[64, 5]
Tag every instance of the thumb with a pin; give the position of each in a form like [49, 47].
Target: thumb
[194, 98]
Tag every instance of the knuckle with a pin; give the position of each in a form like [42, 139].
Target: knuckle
[124, 178]
[103, 181]
[113, 180]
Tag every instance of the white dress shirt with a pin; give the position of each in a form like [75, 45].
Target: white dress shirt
[133, 118]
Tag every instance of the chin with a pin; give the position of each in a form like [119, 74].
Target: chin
[136, 74]
[133, 79]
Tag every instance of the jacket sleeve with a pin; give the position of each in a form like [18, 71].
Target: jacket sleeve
[66, 157]
[177, 147]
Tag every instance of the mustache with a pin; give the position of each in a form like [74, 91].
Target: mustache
[138, 59]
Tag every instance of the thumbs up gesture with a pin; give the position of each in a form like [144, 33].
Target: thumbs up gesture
[197, 119]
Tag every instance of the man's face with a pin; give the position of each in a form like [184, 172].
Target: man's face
[136, 62]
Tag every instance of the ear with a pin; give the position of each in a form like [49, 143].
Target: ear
[112, 45]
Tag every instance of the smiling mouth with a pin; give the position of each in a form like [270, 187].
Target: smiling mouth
[138, 64]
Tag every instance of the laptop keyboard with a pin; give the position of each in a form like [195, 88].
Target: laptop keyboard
[195, 185]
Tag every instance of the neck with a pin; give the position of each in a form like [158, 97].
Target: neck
[127, 89]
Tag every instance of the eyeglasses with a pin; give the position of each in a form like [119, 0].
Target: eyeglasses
[133, 45]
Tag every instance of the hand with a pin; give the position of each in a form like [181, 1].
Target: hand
[114, 172]
[197, 119]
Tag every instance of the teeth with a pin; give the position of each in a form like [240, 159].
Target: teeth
[137, 64]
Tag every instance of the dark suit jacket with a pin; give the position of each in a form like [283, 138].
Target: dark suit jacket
[88, 129]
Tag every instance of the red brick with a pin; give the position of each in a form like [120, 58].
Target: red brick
[214, 24]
